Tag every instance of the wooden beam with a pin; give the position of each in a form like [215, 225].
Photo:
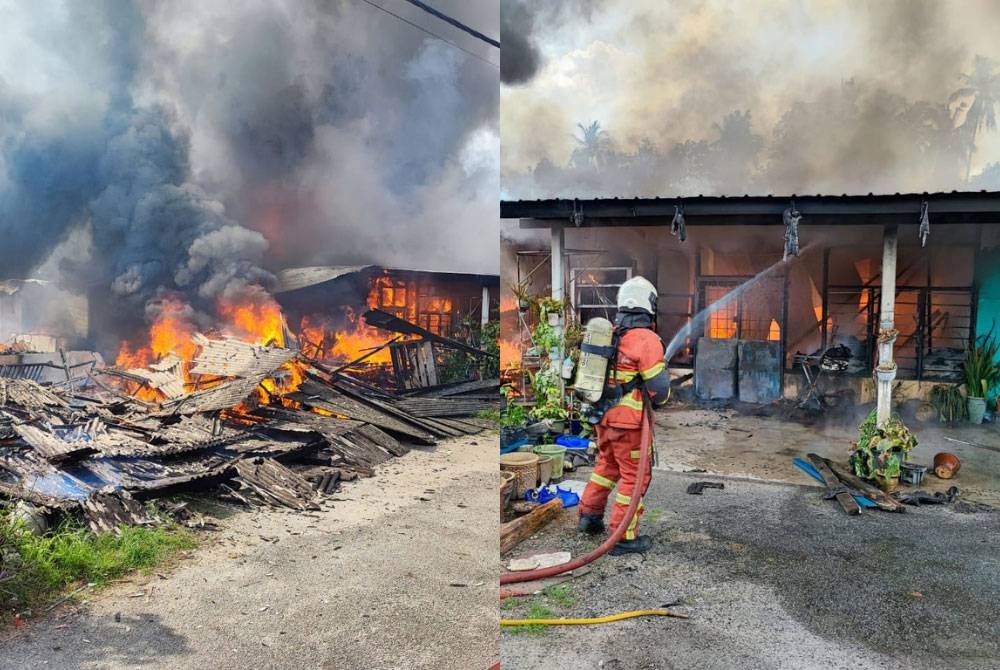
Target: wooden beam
[883, 500]
[513, 532]
[846, 500]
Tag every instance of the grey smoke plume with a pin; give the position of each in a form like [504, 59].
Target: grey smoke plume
[721, 98]
[522, 22]
[207, 145]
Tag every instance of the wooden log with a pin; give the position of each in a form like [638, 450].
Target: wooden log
[513, 532]
[883, 500]
[846, 500]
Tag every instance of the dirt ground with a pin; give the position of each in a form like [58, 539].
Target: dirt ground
[760, 443]
[773, 577]
[397, 572]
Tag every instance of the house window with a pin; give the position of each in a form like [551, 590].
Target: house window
[745, 309]
[595, 291]
[435, 314]
[934, 309]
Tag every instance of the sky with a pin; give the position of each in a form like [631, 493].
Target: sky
[832, 96]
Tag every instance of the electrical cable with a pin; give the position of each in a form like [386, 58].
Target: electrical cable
[455, 22]
[432, 34]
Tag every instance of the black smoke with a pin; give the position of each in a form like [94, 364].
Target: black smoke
[205, 146]
[523, 22]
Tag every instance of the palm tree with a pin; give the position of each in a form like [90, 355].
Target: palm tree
[978, 100]
[593, 142]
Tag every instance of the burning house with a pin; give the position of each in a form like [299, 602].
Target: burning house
[257, 408]
[759, 291]
[344, 314]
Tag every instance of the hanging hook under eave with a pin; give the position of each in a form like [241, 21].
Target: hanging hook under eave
[576, 218]
[791, 218]
[925, 224]
[677, 227]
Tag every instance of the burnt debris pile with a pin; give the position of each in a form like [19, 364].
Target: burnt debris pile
[249, 423]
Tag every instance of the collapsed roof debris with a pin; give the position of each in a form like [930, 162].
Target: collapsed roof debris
[257, 424]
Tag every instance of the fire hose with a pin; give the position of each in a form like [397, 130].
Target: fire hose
[645, 443]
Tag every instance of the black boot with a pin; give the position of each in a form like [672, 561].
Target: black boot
[591, 524]
[639, 545]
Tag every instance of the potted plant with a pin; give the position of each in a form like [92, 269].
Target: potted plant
[949, 402]
[521, 293]
[550, 309]
[553, 409]
[513, 418]
[982, 374]
[880, 451]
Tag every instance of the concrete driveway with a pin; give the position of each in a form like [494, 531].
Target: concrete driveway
[775, 577]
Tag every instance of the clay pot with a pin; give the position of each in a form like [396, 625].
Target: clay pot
[946, 465]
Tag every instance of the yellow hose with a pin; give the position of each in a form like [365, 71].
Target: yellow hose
[587, 622]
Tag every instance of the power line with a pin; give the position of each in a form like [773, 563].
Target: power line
[455, 22]
[432, 34]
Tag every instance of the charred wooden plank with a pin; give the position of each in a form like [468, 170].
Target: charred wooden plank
[834, 486]
[275, 484]
[883, 500]
[107, 511]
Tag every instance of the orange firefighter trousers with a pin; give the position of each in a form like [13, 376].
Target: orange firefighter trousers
[617, 463]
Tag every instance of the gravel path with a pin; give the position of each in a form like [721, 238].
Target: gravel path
[775, 577]
[399, 573]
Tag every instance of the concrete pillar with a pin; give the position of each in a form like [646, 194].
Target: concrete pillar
[486, 305]
[885, 373]
[558, 242]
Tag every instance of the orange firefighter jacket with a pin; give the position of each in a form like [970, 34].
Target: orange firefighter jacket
[640, 352]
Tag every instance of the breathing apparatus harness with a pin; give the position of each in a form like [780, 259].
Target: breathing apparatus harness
[612, 394]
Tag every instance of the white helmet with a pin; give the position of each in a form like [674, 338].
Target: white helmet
[637, 295]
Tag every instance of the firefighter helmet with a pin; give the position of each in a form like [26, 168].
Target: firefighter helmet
[637, 295]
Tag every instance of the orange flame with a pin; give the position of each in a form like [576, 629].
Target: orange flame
[259, 322]
[320, 339]
[510, 354]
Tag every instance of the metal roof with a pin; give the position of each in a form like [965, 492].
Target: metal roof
[296, 278]
[293, 279]
[896, 208]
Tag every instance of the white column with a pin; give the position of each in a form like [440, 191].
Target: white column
[886, 371]
[486, 304]
[558, 241]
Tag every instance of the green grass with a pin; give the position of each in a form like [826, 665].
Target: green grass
[560, 596]
[536, 610]
[491, 415]
[40, 569]
[652, 515]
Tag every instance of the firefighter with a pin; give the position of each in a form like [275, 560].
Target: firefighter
[639, 369]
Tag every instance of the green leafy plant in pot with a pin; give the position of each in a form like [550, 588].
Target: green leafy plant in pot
[553, 408]
[982, 374]
[880, 452]
[949, 402]
[513, 418]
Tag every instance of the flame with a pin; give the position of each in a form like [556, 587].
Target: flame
[258, 321]
[510, 354]
[774, 331]
[508, 304]
[319, 338]
[170, 333]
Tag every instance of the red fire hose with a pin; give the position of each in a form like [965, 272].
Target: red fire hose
[580, 561]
